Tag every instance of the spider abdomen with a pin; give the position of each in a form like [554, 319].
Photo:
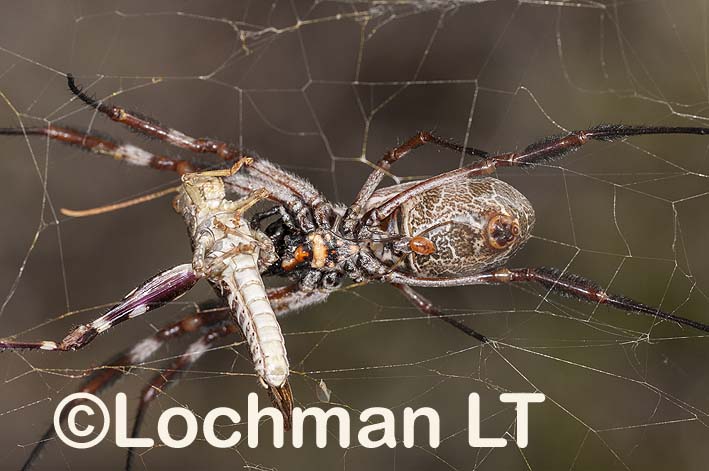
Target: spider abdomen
[475, 225]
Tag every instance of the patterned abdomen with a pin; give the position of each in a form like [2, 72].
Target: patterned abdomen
[475, 225]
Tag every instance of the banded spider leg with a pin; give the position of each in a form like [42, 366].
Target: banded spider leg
[211, 321]
[161, 289]
[208, 319]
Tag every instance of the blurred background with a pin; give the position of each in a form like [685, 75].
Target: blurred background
[323, 88]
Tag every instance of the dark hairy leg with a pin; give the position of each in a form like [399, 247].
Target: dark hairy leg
[543, 151]
[555, 280]
[264, 174]
[354, 212]
[428, 308]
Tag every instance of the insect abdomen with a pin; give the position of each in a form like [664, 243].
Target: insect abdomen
[256, 318]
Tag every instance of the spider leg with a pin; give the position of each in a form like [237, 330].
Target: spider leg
[556, 281]
[151, 128]
[542, 151]
[169, 377]
[311, 199]
[284, 300]
[575, 286]
[354, 212]
[265, 170]
[427, 307]
[296, 193]
[290, 298]
[155, 292]
[134, 155]
[295, 204]
[114, 369]
[283, 217]
[128, 153]
[138, 156]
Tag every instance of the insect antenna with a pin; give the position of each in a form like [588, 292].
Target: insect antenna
[79, 213]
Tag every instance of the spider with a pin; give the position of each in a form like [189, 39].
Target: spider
[457, 228]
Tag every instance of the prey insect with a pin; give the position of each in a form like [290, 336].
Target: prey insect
[228, 254]
[457, 228]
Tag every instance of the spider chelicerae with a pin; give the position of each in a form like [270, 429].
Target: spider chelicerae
[454, 229]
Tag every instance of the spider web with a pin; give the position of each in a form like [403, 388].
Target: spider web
[324, 89]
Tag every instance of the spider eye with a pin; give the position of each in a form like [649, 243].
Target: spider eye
[502, 230]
